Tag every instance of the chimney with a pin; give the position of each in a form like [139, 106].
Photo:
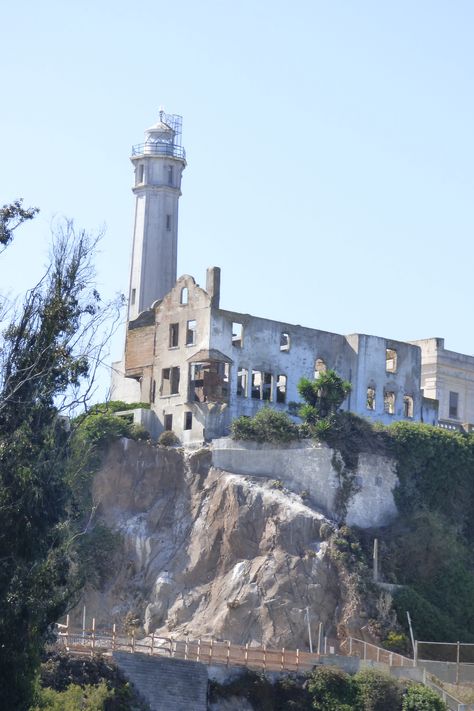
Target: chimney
[213, 285]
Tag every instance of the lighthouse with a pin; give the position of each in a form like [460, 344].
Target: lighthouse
[158, 165]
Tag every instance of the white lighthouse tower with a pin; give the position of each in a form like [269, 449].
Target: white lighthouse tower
[159, 163]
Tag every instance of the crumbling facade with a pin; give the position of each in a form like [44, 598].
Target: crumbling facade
[200, 366]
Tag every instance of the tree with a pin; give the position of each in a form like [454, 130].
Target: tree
[323, 396]
[47, 353]
[11, 217]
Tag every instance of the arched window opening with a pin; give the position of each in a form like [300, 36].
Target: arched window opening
[184, 295]
[389, 402]
[284, 342]
[319, 367]
[408, 406]
[371, 397]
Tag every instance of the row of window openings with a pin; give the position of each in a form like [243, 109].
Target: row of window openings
[190, 334]
[187, 424]
[141, 174]
[261, 385]
[210, 383]
[389, 400]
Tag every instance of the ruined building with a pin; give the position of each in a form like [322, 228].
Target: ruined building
[198, 365]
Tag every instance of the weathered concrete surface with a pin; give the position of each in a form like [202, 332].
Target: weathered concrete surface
[166, 684]
[309, 467]
[208, 553]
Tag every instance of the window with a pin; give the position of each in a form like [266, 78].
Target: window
[209, 382]
[134, 294]
[170, 175]
[389, 402]
[371, 397]
[390, 360]
[168, 422]
[453, 404]
[140, 174]
[267, 386]
[256, 385]
[319, 367]
[188, 420]
[285, 342]
[191, 333]
[408, 406]
[153, 391]
[281, 389]
[174, 335]
[237, 334]
[184, 295]
[242, 377]
[168, 223]
[169, 381]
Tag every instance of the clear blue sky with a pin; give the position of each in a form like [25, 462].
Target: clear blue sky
[330, 149]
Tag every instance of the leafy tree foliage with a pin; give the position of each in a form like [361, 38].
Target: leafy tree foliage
[45, 357]
[323, 396]
[11, 217]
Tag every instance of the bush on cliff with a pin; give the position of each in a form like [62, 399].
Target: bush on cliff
[267, 425]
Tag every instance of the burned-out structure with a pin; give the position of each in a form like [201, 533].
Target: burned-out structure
[200, 366]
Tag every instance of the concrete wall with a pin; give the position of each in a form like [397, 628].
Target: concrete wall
[309, 467]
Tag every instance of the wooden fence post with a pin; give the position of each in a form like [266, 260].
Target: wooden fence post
[246, 655]
[186, 649]
[297, 659]
[133, 640]
[365, 651]
[282, 658]
[198, 653]
[67, 631]
[228, 652]
[152, 642]
[264, 658]
[350, 646]
[210, 650]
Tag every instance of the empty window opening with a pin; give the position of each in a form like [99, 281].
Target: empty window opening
[371, 398]
[319, 367]
[389, 402]
[174, 335]
[256, 385]
[168, 222]
[267, 386]
[168, 422]
[134, 294]
[184, 295]
[153, 391]
[191, 333]
[237, 330]
[169, 381]
[188, 420]
[408, 406]
[453, 404]
[284, 342]
[390, 360]
[242, 378]
[209, 382]
[170, 175]
[281, 389]
[140, 174]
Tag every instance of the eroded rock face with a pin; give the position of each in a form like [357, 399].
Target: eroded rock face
[208, 553]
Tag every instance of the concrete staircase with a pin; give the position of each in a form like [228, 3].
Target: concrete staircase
[166, 684]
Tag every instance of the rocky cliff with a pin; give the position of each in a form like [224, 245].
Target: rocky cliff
[209, 553]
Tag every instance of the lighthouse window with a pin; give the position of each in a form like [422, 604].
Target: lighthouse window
[170, 175]
[141, 174]
[134, 291]
[168, 222]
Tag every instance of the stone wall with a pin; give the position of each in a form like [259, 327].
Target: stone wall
[316, 469]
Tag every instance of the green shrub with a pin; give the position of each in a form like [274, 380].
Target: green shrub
[267, 425]
[419, 698]
[168, 439]
[377, 691]
[87, 698]
[331, 689]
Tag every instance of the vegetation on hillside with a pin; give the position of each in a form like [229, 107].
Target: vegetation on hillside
[330, 689]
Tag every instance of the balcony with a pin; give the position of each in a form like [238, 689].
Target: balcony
[159, 149]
